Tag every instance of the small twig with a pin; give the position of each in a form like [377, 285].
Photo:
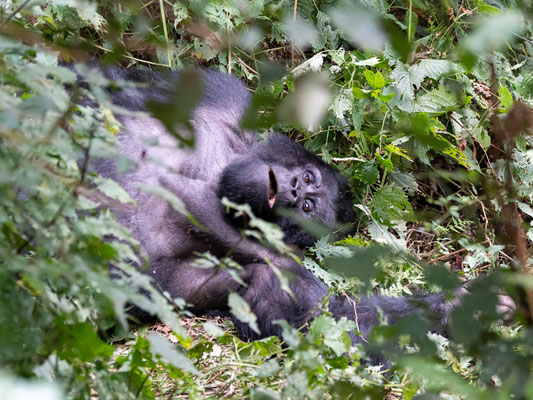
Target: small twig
[133, 58]
[347, 159]
[165, 32]
[445, 256]
[142, 385]
[20, 7]
[86, 156]
[484, 216]
[292, 45]
[245, 65]
[352, 301]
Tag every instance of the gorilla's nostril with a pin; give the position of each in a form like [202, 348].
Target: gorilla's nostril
[272, 188]
[294, 194]
[294, 182]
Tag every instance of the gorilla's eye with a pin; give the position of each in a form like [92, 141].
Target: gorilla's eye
[307, 206]
[308, 177]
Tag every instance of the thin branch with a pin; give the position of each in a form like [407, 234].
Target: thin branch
[17, 10]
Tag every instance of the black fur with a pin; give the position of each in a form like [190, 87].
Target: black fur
[228, 161]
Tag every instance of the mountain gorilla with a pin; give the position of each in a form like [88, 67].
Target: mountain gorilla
[227, 161]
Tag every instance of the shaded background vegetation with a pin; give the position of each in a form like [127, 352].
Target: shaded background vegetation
[423, 105]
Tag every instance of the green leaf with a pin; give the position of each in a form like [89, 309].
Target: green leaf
[359, 25]
[113, 190]
[269, 368]
[167, 351]
[80, 341]
[485, 8]
[177, 112]
[492, 33]
[374, 79]
[389, 203]
[436, 102]
[505, 97]
[242, 311]
[358, 93]
[409, 79]
[176, 203]
[325, 329]
[212, 329]
[368, 173]
[433, 69]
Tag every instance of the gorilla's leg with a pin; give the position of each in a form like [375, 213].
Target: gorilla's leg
[270, 302]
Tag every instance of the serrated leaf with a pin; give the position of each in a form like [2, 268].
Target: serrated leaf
[407, 79]
[381, 234]
[406, 181]
[340, 105]
[433, 69]
[404, 81]
[436, 102]
[389, 203]
[368, 172]
[327, 330]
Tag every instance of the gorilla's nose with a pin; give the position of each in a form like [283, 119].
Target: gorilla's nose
[295, 195]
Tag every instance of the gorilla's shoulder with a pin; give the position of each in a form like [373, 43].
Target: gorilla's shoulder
[221, 89]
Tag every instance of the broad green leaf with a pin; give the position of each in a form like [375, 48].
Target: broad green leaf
[374, 79]
[359, 25]
[409, 78]
[80, 341]
[242, 311]
[505, 97]
[434, 69]
[299, 31]
[113, 190]
[492, 33]
[269, 368]
[168, 352]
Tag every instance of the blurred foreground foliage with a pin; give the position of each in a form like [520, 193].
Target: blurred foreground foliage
[423, 105]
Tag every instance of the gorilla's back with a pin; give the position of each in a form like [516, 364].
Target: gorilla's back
[162, 161]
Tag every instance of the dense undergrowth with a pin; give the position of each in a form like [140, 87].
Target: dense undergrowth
[423, 105]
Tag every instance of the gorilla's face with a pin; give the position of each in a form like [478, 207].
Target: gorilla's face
[299, 183]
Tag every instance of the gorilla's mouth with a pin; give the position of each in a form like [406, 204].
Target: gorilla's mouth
[272, 188]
